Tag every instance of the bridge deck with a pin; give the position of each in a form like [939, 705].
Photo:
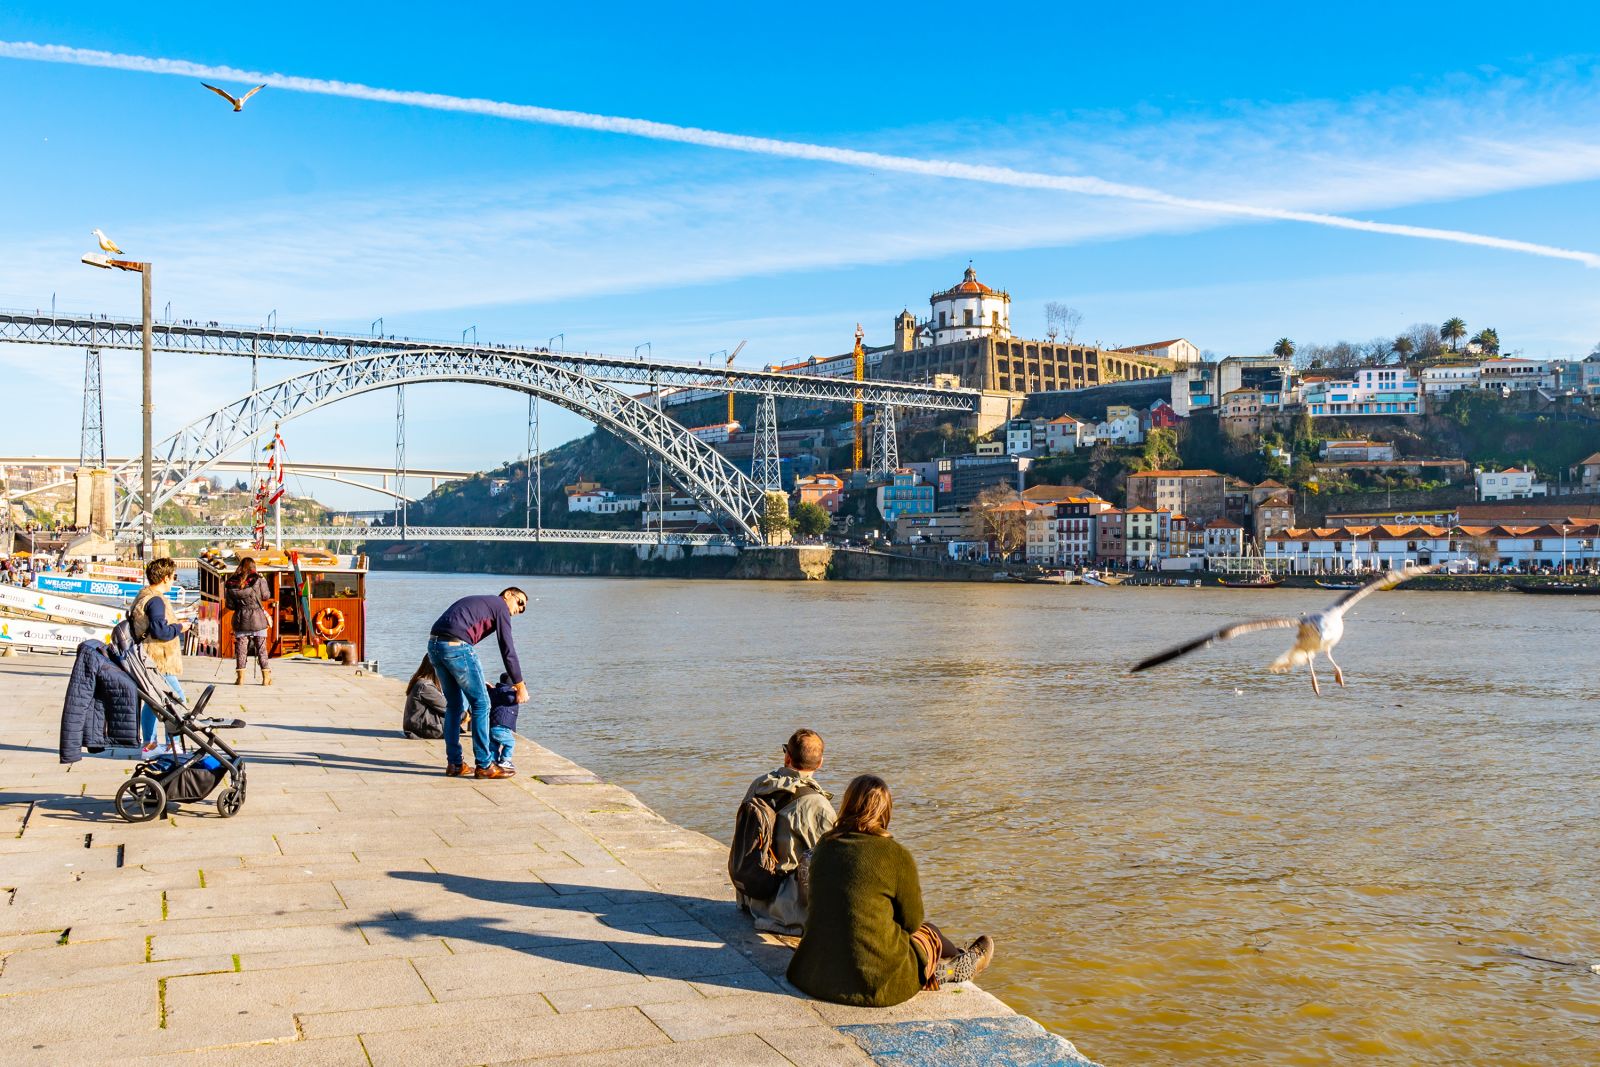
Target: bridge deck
[546, 535]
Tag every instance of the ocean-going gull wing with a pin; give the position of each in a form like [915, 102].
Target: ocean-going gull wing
[1227, 633]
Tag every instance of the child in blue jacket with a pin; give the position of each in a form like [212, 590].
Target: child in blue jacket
[503, 721]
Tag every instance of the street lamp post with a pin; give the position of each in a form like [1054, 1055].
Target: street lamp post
[147, 496]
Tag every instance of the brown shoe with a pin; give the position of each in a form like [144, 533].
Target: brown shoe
[455, 770]
[494, 770]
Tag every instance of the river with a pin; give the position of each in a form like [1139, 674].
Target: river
[1204, 864]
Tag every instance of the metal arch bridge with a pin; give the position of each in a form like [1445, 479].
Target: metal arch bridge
[85, 331]
[547, 535]
[578, 382]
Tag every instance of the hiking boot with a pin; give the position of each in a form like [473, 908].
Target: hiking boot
[238, 677]
[969, 964]
[455, 770]
[266, 676]
[494, 770]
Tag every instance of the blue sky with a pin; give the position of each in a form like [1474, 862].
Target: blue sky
[336, 211]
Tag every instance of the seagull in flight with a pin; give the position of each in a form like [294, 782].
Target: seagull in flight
[236, 101]
[107, 244]
[1318, 631]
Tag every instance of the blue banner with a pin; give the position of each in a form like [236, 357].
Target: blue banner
[79, 586]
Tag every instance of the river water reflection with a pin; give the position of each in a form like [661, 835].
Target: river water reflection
[1200, 865]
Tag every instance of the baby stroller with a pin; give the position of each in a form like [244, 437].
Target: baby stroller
[180, 776]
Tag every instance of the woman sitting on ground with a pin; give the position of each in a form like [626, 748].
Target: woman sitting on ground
[424, 714]
[865, 942]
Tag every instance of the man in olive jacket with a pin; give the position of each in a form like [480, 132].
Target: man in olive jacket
[800, 824]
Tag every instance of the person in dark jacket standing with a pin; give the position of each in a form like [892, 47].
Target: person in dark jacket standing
[866, 942]
[463, 624]
[247, 597]
[160, 638]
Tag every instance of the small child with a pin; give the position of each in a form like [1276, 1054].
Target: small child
[503, 721]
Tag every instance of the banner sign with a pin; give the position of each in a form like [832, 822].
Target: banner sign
[81, 586]
[25, 633]
[60, 608]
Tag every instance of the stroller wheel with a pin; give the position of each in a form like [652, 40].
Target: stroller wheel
[230, 800]
[141, 799]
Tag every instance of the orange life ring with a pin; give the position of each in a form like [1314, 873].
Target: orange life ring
[329, 623]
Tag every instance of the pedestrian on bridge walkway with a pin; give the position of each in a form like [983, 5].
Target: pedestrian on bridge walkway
[450, 647]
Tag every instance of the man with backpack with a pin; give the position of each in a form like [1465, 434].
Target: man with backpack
[783, 815]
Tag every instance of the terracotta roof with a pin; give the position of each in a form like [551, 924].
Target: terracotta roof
[1147, 347]
[969, 285]
[1199, 473]
[1066, 419]
[1270, 484]
[1223, 524]
[1591, 460]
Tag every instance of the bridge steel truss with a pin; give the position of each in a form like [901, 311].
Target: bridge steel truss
[719, 487]
[449, 533]
[88, 332]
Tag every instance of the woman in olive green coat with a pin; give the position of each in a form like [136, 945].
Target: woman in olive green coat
[866, 942]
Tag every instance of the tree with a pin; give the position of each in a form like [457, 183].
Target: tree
[775, 522]
[1284, 349]
[1402, 347]
[1453, 330]
[1160, 451]
[812, 520]
[1001, 518]
[1061, 320]
[1487, 340]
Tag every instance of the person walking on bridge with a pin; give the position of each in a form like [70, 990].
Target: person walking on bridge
[463, 624]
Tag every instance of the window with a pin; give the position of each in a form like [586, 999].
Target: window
[968, 314]
[941, 318]
[994, 317]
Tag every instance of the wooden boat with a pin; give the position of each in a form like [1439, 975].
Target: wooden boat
[327, 605]
[1338, 585]
[1557, 588]
[1260, 582]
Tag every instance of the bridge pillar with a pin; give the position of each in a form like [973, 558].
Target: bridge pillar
[400, 459]
[766, 465]
[885, 446]
[92, 441]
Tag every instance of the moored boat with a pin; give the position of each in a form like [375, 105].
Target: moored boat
[1261, 582]
[1557, 588]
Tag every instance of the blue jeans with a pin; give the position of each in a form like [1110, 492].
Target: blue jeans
[461, 679]
[147, 714]
[503, 742]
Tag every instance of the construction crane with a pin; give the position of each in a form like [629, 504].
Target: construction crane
[725, 366]
[860, 411]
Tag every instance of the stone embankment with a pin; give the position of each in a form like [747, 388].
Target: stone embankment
[363, 909]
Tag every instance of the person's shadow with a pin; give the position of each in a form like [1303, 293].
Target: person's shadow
[658, 935]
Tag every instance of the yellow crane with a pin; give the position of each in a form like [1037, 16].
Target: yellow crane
[725, 366]
[860, 410]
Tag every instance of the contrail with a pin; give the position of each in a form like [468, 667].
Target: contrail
[766, 146]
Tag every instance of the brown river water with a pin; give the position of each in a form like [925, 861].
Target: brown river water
[1204, 864]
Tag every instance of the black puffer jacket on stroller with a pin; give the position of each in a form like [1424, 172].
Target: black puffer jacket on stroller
[102, 705]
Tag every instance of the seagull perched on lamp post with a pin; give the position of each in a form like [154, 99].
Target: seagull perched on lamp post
[106, 243]
[236, 101]
[1319, 631]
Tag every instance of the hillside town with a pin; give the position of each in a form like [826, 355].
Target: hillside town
[1080, 454]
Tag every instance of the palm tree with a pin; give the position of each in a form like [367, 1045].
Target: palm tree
[1403, 346]
[1488, 340]
[1284, 348]
[1453, 330]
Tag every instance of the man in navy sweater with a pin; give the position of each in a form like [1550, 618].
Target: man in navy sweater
[465, 623]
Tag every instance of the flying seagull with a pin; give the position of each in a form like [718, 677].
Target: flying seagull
[1319, 631]
[107, 244]
[236, 101]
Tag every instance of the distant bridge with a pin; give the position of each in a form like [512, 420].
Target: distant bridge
[534, 535]
[343, 473]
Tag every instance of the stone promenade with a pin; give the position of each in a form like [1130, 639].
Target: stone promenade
[364, 909]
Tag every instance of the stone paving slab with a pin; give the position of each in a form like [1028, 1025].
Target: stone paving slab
[364, 909]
